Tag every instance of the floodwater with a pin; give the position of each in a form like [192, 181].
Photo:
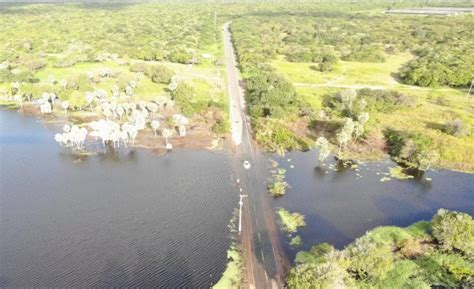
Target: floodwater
[133, 219]
[341, 206]
[129, 219]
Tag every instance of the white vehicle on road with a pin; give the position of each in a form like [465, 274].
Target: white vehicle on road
[246, 165]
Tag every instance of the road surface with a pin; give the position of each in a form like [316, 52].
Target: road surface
[265, 262]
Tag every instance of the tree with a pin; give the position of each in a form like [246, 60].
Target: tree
[159, 73]
[345, 134]
[358, 130]
[426, 158]
[269, 95]
[167, 133]
[65, 106]
[347, 98]
[324, 148]
[155, 125]
[370, 259]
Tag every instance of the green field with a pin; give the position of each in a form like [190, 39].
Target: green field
[434, 107]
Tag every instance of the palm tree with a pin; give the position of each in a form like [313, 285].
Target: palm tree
[155, 125]
[167, 133]
[65, 106]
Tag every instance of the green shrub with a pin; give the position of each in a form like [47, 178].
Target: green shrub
[185, 97]
[411, 149]
[180, 56]
[365, 53]
[446, 270]
[454, 230]
[295, 241]
[291, 221]
[274, 136]
[457, 128]
[369, 259]
[315, 255]
[159, 73]
[139, 67]
[278, 187]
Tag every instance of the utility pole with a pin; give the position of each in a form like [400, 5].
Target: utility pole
[240, 212]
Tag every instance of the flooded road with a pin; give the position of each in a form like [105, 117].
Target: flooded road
[127, 219]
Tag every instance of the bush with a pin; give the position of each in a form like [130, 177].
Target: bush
[180, 56]
[138, 67]
[376, 259]
[451, 66]
[278, 187]
[221, 124]
[365, 53]
[296, 241]
[184, 96]
[443, 270]
[369, 259]
[291, 221]
[159, 73]
[274, 136]
[454, 230]
[411, 149]
[316, 255]
[456, 128]
[351, 103]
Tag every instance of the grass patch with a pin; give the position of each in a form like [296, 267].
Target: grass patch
[345, 72]
[232, 274]
[290, 222]
[296, 241]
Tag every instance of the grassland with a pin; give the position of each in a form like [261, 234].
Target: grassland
[434, 106]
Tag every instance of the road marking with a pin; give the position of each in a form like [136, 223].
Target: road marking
[256, 222]
[263, 258]
[253, 205]
[259, 237]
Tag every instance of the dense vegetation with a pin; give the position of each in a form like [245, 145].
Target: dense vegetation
[140, 66]
[436, 254]
[282, 51]
[301, 68]
[443, 49]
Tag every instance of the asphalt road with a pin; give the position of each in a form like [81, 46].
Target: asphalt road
[265, 262]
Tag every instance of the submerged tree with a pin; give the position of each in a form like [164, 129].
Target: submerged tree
[345, 135]
[324, 148]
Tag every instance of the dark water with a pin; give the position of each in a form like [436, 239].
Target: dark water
[130, 219]
[340, 207]
[135, 219]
